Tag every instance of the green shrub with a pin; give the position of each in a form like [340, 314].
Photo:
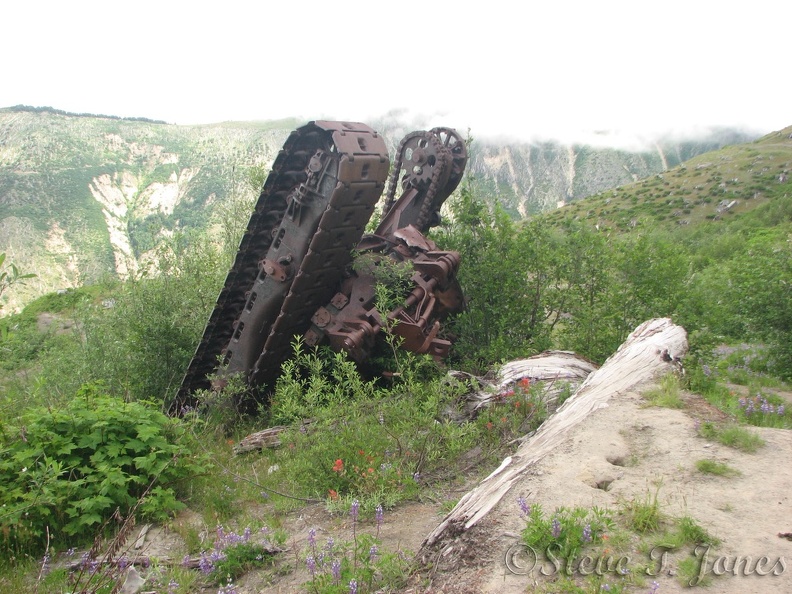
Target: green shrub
[67, 471]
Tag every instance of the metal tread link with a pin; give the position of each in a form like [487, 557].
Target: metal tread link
[353, 180]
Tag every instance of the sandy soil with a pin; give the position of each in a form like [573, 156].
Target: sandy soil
[632, 449]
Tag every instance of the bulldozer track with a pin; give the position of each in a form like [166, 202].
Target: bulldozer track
[312, 211]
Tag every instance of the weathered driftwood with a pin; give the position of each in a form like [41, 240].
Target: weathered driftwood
[655, 346]
[267, 438]
[554, 370]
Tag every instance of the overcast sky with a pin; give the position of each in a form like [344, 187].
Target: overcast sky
[559, 68]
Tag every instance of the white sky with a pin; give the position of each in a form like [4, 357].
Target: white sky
[559, 68]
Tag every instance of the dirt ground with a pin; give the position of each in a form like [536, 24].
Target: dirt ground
[625, 451]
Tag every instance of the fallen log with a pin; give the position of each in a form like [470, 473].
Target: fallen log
[556, 371]
[655, 346]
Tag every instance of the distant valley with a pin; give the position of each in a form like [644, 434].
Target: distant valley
[86, 197]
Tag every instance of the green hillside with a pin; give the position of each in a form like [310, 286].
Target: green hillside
[711, 187]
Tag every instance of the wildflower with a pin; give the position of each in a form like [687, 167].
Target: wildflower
[173, 586]
[587, 533]
[525, 509]
[605, 587]
[338, 466]
[185, 561]
[655, 588]
[556, 528]
[310, 562]
[416, 476]
[336, 569]
[333, 494]
[205, 564]
[373, 553]
[353, 510]
[312, 537]
[330, 544]
[378, 517]
[71, 552]
[780, 410]
[353, 587]
[525, 383]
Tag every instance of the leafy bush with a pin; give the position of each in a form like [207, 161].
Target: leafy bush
[68, 470]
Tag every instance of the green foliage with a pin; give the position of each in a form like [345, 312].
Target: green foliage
[238, 559]
[10, 275]
[139, 342]
[69, 469]
[362, 441]
[667, 394]
[335, 566]
[733, 436]
[644, 515]
[717, 468]
[567, 532]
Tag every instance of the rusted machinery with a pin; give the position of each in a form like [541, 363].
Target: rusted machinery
[293, 275]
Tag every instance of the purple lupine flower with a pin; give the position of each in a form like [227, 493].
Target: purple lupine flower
[173, 586]
[373, 553]
[330, 544]
[312, 537]
[123, 562]
[416, 476]
[353, 510]
[336, 569]
[205, 564]
[311, 563]
[185, 561]
[587, 533]
[378, 515]
[556, 528]
[525, 509]
[780, 410]
[655, 588]
[353, 587]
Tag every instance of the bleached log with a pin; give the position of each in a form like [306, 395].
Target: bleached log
[267, 438]
[554, 370]
[655, 346]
